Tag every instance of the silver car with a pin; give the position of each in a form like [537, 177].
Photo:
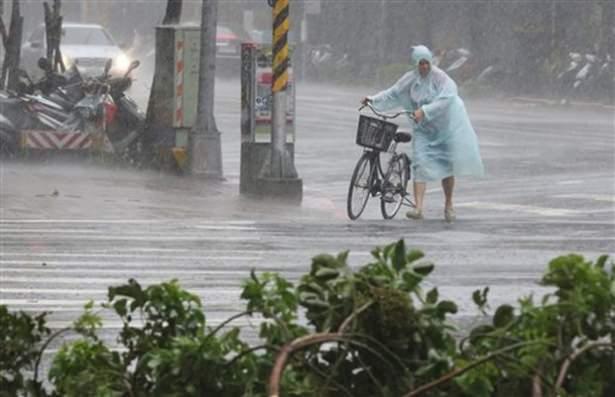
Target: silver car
[86, 46]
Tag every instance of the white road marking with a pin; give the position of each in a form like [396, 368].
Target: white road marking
[595, 197]
[120, 256]
[235, 277]
[86, 263]
[208, 293]
[179, 221]
[143, 232]
[127, 238]
[168, 273]
[530, 209]
[572, 182]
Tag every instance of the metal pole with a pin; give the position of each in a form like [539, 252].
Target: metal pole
[279, 83]
[205, 147]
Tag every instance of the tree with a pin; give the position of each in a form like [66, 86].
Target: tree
[12, 46]
[53, 26]
[173, 12]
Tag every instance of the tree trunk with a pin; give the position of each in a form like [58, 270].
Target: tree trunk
[53, 26]
[173, 13]
[13, 48]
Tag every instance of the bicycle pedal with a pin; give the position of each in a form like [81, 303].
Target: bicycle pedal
[388, 198]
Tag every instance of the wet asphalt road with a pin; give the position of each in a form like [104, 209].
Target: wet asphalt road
[69, 229]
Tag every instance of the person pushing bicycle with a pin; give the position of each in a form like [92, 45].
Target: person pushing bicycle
[445, 144]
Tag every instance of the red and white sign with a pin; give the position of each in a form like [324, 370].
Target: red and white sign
[57, 140]
[179, 83]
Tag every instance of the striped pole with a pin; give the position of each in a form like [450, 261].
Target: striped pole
[280, 46]
[279, 82]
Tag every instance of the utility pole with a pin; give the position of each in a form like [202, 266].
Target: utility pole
[279, 83]
[205, 148]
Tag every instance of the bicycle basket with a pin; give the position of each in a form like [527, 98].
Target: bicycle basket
[375, 133]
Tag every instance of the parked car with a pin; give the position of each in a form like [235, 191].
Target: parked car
[228, 44]
[87, 46]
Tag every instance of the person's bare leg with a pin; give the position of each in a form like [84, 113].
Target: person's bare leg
[448, 185]
[419, 195]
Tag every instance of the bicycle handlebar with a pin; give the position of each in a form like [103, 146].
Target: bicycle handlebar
[388, 116]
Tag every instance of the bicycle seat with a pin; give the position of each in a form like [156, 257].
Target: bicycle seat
[402, 137]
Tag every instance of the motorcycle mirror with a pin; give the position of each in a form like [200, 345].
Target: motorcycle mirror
[44, 64]
[133, 65]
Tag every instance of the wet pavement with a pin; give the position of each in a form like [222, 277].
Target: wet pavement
[69, 229]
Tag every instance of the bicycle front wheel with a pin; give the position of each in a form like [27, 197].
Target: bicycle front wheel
[360, 187]
[394, 187]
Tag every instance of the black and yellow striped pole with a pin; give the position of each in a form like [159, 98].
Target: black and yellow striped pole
[279, 82]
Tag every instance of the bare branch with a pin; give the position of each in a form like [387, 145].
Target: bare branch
[225, 322]
[574, 355]
[453, 374]
[353, 315]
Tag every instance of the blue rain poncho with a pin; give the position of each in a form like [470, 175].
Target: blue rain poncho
[444, 143]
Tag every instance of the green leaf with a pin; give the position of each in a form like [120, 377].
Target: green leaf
[326, 261]
[315, 304]
[326, 273]
[601, 262]
[479, 332]
[447, 307]
[342, 257]
[480, 297]
[398, 257]
[312, 287]
[414, 255]
[432, 296]
[131, 290]
[120, 307]
[504, 315]
[304, 296]
[411, 280]
[424, 269]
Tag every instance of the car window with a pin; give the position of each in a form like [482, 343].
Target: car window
[224, 30]
[86, 36]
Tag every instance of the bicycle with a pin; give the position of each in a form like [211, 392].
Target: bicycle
[369, 178]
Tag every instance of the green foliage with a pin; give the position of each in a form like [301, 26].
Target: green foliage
[20, 337]
[578, 314]
[369, 331]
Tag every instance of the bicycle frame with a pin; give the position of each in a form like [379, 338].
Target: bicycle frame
[393, 193]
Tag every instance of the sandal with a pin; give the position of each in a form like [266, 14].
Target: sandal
[414, 214]
[449, 215]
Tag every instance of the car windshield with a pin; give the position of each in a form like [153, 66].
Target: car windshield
[224, 31]
[85, 36]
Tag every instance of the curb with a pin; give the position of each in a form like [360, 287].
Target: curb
[552, 102]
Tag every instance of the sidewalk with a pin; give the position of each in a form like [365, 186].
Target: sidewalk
[569, 104]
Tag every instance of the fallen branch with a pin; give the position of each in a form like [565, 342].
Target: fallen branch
[225, 322]
[459, 371]
[573, 356]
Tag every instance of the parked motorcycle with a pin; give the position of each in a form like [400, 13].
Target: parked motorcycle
[68, 104]
[585, 75]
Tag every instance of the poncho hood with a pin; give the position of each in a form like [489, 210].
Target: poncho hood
[418, 53]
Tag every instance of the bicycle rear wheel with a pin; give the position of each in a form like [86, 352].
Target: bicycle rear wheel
[394, 187]
[360, 187]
